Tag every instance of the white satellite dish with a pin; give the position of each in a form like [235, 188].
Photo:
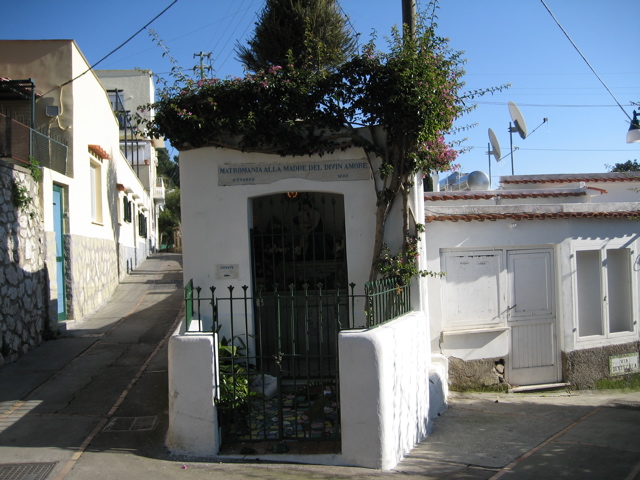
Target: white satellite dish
[518, 120]
[495, 146]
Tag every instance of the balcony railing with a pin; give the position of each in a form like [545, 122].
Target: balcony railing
[159, 192]
[19, 142]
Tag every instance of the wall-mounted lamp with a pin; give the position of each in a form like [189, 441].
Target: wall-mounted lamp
[633, 135]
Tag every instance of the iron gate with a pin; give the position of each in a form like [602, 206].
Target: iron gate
[279, 365]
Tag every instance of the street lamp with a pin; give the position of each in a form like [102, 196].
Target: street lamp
[633, 135]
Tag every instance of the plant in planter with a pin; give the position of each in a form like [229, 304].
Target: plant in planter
[233, 405]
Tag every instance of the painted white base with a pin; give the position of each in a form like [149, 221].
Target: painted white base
[438, 386]
[193, 423]
[385, 391]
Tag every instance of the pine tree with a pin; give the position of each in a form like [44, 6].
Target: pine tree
[310, 34]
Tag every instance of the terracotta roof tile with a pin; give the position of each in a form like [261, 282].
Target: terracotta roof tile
[510, 194]
[529, 216]
[572, 178]
[99, 152]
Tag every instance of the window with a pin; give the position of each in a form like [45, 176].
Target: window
[142, 225]
[604, 292]
[473, 288]
[126, 209]
[116, 97]
[95, 177]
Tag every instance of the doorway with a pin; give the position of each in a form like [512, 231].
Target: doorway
[59, 228]
[298, 252]
[531, 317]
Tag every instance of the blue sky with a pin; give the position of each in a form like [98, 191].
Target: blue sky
[516, 42]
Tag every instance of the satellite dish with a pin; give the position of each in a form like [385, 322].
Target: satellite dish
[495, 146]
[518, 120]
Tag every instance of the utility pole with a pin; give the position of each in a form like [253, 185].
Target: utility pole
[409, 16]
[202, 67]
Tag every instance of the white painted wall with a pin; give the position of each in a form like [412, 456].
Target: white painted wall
[384, 391]
[216, 219]
[562, 235]
[85, 119]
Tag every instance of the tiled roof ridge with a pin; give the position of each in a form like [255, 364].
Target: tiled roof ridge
[511, 195]
[622, 177]
[529, 216]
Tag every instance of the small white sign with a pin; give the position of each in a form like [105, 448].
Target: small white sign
[227, 272]
[623, 364]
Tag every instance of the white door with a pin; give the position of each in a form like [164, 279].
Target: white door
[533, 354]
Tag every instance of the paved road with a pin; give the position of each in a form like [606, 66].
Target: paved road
[92, 404]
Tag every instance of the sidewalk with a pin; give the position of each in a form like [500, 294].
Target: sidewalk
[97, 376]
[93, 405]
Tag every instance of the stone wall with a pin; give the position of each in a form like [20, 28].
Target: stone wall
[126, 259]
[23, 277]
[486, 374]
[92, 274]
[129, 257]
[50, 245]
[583, 368]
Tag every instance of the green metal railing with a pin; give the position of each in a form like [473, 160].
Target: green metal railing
[188, 301]
[385, 300]
[278, 354]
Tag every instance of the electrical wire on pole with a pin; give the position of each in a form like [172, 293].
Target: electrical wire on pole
[202, 67]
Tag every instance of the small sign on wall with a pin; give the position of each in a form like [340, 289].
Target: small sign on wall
[227, 271]
[319, 170]
[623, 364]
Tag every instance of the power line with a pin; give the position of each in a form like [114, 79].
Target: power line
[228, 24]
[547, 74]
[585, 59]
[230, 36]
[560, 149]
[121, 45]
[353, 29]
[481, 102]
[241, 36]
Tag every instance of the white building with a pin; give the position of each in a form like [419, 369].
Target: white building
[280, 239]
[99, 212]
[541, 279]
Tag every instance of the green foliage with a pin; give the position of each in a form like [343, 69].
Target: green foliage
[234, 376]
[168, 169]
[169, 217]
[403, 266]
[628, 166]
[306, 33]
[22, 199]
[626, 382]
[35, 169]
[412, 90]
[478, 388]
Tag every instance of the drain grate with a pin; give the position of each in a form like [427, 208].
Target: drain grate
[25, 471]
[130, 424]
[624, 404]
[168, 285]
